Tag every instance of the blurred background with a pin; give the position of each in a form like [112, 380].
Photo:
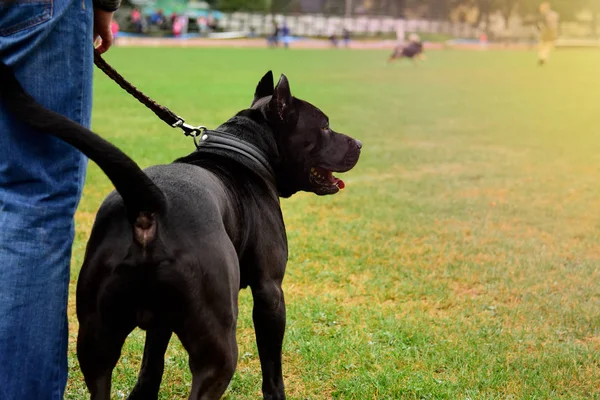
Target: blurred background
[462, 260]
[448, 21]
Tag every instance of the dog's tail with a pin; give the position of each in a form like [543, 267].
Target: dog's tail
[142, 198]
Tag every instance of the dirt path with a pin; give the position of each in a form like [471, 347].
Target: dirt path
[300, 44]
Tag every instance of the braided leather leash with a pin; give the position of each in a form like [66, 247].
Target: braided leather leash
[161, 112]
[202, 136]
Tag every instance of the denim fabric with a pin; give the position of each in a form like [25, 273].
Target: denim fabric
[49, 45]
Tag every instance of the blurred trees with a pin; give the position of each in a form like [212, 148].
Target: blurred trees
[528, 9]
[239, 5]
[433, 9]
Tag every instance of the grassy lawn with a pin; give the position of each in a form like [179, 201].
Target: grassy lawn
[462, 261]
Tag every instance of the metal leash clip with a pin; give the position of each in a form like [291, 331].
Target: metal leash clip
[189, 130]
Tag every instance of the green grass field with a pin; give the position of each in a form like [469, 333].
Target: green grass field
[462, 261]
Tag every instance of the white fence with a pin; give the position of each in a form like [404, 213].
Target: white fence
[321, 25]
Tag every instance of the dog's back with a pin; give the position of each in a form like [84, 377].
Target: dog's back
[150, 286]
[412, 49]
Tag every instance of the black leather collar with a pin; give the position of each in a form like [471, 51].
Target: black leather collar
[225, 141]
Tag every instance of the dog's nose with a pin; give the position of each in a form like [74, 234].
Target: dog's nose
[358, 143]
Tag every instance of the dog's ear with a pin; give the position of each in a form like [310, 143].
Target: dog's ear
[264, 87]
[282, 99]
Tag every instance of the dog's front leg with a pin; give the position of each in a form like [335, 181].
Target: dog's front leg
[269, 324]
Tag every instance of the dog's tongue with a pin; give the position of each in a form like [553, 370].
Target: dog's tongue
[338, 182]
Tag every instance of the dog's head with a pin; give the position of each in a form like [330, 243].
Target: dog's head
[309, 150]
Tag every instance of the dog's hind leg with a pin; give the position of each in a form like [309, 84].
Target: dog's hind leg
[153, 365]
[269, 323]
[207, 328]
[213, 355]
[98, 350]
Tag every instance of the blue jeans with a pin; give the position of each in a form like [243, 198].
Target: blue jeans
[49, 45]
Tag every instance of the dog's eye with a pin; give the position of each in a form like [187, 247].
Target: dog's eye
[325, 129]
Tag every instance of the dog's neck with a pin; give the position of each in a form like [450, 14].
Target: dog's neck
[249, 127]
[252, 127]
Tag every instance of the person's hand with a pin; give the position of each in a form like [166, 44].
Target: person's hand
[103, 38]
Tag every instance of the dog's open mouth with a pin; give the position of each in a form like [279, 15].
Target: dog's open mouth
[324, 179]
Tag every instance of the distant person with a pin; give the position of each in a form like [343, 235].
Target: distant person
[180, 26]
[483, 41]
[211, 23]
[548, 26]
[400, 34]
[285, 35]
[114, 28]
[333, 40]
[202, 25]
[413, 49]
[158, 18]
[273, 40]
[346, 37]
[136, 20]
[173, 18]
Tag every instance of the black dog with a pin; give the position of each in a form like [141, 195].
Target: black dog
[413, 50]
[171, 248]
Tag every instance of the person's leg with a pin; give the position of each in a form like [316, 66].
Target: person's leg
[551, 47]
[41, 179]
[544, 51]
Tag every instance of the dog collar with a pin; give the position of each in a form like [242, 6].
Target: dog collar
[226, 141]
